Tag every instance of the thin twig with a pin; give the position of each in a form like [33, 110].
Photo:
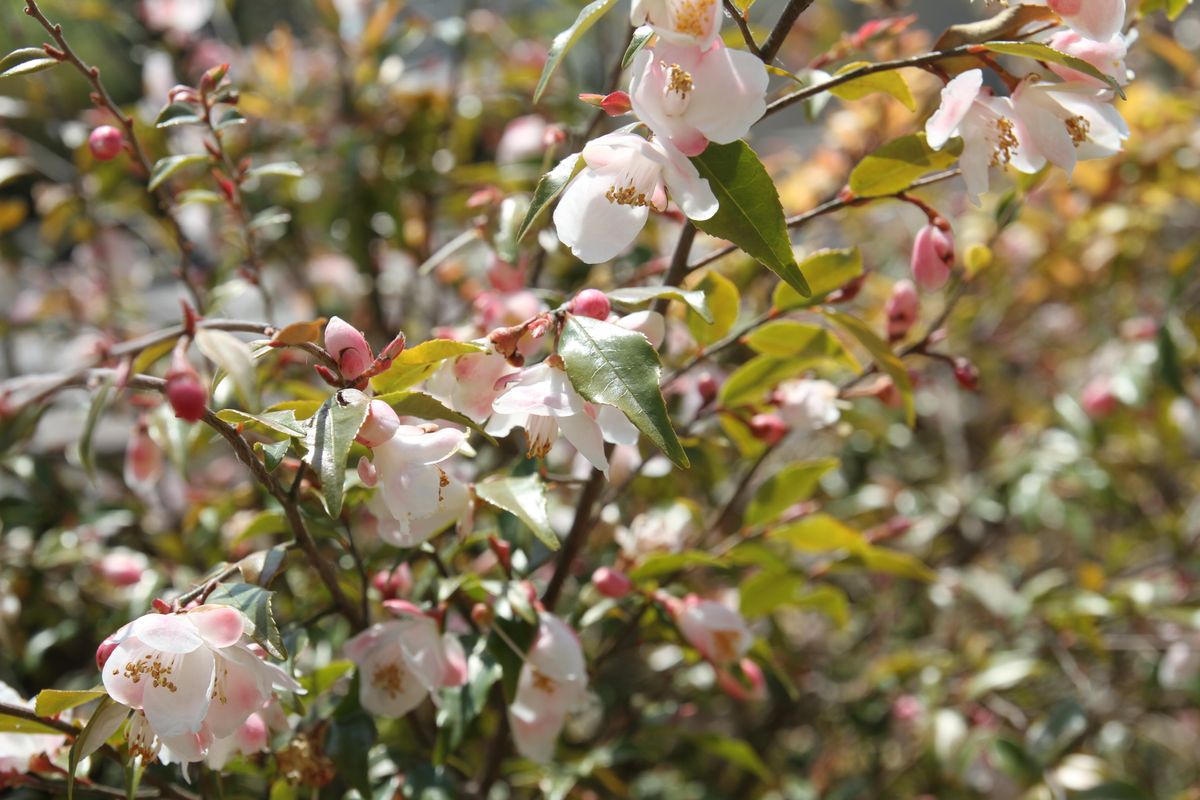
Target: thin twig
[739, 19]
[787, 21]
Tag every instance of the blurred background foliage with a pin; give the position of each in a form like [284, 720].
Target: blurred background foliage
[1056, 651]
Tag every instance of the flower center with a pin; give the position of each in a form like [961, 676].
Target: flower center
[390, 679]
[543, 682]
[541, 432]
[725, 644]
[1006, 142]
[1078, 127]
[678, 91]
[142, 742]
[692, 16]
[627, 195]
[149, 666]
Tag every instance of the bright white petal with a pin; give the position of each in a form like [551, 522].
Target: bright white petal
[593, 227]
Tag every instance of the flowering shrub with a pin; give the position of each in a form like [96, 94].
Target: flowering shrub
[392, 420]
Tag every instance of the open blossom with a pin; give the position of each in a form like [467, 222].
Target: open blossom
[553, 683]
[400, 663]
[696, 22]
[663, 529]
[1069, 122]
[808, 405]
[607, 204]
[416, 497]
[18, 749]
[470, 383]
[992, 134]
[1107, 56]
[190, 677]
[715, 629]
[1098, 20]
[690, 96]
[542, 401]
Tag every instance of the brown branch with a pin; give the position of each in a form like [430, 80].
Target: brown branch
[739, 19]
[577, 536]
[787, 20]
[679, 266]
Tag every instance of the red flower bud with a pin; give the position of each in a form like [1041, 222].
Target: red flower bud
[768, 428]
[611, 582]
[902, 309]
[185, 392]
[708, 387]
[1097, 398]
[966, 374]
[590, 303]
[106, 142]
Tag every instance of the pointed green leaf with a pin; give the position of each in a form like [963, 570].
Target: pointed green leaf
[641, 295]
[331, 432]
[641, 38]
[279, 421]
[20, 56]
[793, 484]
[52, 702]
[885, 358]
[100, 402]
[177, 114]
[1044, 52]
[890, 82]
[274, 215]
[896, 165]
[281, 169]
[609, 364]
[164, 168]
[233, 356]
[104, 723]
[722, 296]
[524, 498]
[750, 214]
[563, 43]
[415, 363]
[30, 67]
[826, 270]
[548, 189]
[255, 603]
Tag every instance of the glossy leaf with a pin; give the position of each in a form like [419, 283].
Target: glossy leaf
[52, 702]
[279, 169]
[330, 435]
[890, 82]
[641, 295]
[895, 166]
[177, 114]
[164, 168]
[827, 270]
[548, 189]
[563, 42]
[523, 497]
[884, 357]
[29, 67]
[255, 602]
[415, 363]
[641, 38]
[722, 296]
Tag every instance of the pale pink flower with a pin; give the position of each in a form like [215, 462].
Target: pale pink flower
[607, 204]
[932, 257]
[252, 736]
[469, 384]
[665, 529]
[381, 424]
[695, 22]
[715, 629]
[400, 663]
[992, 134]
[542, 401]
[808, 405]
[416, 498]
[1098, 20]
[348, 347]
[690, 96]
[1107, 56]
[1069, 122]
[177, 16]
[553, 682]
[523, 138]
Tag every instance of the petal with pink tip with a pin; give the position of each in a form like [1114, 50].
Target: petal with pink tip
[220, 626]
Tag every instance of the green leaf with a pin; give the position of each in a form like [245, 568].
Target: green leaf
[509, 218]
[656, 565]
[548, 189]
[350, 739]
[419, 404]
[828, 600]
[100, 402]
[282, 169]
[274, 215]
[206, 196]
[896, 165]
[30, 67]
[722, 296]
[799, 342]
[273, 453]
[164, 168]
[1004, 672]
[765, 591]
[52, 702]
[750, 214]
[890, 82]
[894, 562]
[330, 434]
[609, 364]
[233, 356]
[736, 752]
[749, 382]
[21, 725]
[177, 114]
[881, 351]
[104, 723]
[231, 118]
[415, 363]
[793, 484]
[641, 295]
[1049, 737]
[1112, 790]
[564, 41]
[820, 533]
[255, 602]
[524, 498]
[1043, 52]
[827, 270]
[279, 421]
[20, 56]
[641, 38]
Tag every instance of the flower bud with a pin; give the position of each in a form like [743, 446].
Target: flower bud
[106, 142]
[503, 551]
[185, 392]
[932, 257]
[708, 387]
[481, 615]
[590, 303]
[966, 374]
[768, 428]
[1097, 398]
[348, 347]
[396, 583]
[122, 567]
[379, 426]
[750, 689]
[617, 104]
[902, 309]
[143, 460]
[105, 650]
[611, 582]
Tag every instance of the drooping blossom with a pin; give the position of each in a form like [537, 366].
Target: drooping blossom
[17, 750]
[553, 682]
[190, 678]
[695, 22]
[400, 663]
[1098, 20]
[416, 497]
[992, 134]
[714, 629]
[607, 204]
[932, 257]
[808, 405]
[469, 384]
[1107, 56]
[690, 96]
[542, 401]
[664, 529]
[1069, 122]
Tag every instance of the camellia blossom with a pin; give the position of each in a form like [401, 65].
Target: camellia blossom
[715, 629]
[659, 530]
[808, 405]
[696, 22]
[992, 134]
[1069, 122]
[1098, 20]
[542, 400]
[607, 204]
[469, 384]
[190, 677]
[416, 497]
[400, 663]
[690, 96]
[1107, 56]
[553, 682]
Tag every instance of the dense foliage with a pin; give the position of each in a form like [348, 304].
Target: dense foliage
[639, 398]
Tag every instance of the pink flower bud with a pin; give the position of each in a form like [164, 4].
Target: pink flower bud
[554, 134]
[185, 392]
[708, 387]
[611, 582]
[395, 347]
[768, 428]
[105, 650]
[396, 583]
[907, 709]
[402, 607]
[106, 142]
[348, 347]
[902, 309]
[932, 257]
[753, 686]
[1097, 398]
[143, 460]
[590, 303]
[379, 426]
[121, 568]
[617, 104]
[456, 671]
